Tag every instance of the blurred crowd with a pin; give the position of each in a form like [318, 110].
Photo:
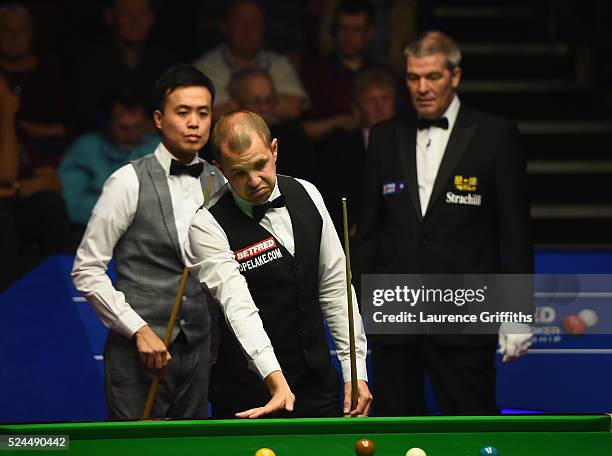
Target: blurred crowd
[75, 105]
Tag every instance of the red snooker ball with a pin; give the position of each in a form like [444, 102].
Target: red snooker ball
[573, 325]
[365, 447]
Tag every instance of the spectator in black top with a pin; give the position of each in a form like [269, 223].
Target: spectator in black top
[41, 120]
[33, 217]
[125, 60]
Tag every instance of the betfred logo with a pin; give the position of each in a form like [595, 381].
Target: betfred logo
[255, 249]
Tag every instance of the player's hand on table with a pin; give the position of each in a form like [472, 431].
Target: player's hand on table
[363, 402]
[151, 349]
[514, 340]
[282, 397]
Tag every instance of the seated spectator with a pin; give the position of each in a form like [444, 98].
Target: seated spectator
[93, 157]
[41, 120]
[243, 28]
[127, 60]
[344, 152]
[254, 90]
[329, 80]
[33, 218]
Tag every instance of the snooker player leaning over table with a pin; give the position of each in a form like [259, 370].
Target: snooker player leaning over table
[267, 250]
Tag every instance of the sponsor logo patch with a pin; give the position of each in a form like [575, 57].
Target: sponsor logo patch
[466, 184]
[255, 249]
[390, 188]
[471, 199]
[258, 254]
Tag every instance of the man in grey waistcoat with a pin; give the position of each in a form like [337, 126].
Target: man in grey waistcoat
[141, 220]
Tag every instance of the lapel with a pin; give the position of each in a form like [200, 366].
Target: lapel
[460, 137]
[406, 146]
[160, 182]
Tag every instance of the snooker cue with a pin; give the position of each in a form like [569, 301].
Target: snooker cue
[175, 310]
[349, 294]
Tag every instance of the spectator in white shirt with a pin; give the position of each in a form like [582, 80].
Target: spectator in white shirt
[243, 27]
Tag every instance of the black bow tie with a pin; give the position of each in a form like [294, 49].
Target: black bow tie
[260, 211]
[426, 123]
[177, 168]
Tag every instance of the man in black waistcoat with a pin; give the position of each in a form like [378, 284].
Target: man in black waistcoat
[445, 192]
[268, 251]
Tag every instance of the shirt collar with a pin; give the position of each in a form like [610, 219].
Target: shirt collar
[164, 157]
[452, 112]
[246, 206]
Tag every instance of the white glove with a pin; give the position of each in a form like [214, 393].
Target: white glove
[514, 340]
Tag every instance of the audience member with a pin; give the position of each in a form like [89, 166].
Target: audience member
[344, 152]
[41, 120]
[329, 80]
[33, 218]
[243, 28]
[127, 59]
[254, 90]
[93, 157]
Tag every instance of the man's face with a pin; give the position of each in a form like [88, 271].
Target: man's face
[244, 29]
[376, 104]
[252, 174]
[126, 126]
[132, 20]
[15, 35]
[257, 95]
[431, 84]
[352, 34]
[185, 120]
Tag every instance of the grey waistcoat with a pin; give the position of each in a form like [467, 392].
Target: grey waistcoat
[149, 263]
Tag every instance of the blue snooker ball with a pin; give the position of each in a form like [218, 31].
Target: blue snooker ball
[488, 451]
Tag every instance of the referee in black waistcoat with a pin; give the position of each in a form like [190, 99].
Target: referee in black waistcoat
[445, 192]
[268, 251]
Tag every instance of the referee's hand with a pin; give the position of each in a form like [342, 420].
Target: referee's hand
[151, 349]
[282, 397]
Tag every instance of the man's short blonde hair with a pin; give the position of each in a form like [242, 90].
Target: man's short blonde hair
[233, 131]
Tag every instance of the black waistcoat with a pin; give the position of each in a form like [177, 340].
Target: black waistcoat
[285, 288]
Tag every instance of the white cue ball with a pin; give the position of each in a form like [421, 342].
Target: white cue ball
[415, 452]
[589, 317]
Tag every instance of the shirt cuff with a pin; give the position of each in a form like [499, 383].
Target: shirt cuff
[128, 323]
[362, 371]
[265, 362]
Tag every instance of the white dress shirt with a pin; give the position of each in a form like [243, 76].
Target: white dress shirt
[212, 261]
[111, 217]
[430, 146]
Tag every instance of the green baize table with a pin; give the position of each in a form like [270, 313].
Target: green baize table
[516, 435]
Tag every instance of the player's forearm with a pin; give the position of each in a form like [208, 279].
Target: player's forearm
[90, 278]
[336, 316]
[108, 303]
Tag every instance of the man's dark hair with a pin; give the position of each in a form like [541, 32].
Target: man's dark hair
[127, 99]
[354, 7]
[179, 75]
[231, 6]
